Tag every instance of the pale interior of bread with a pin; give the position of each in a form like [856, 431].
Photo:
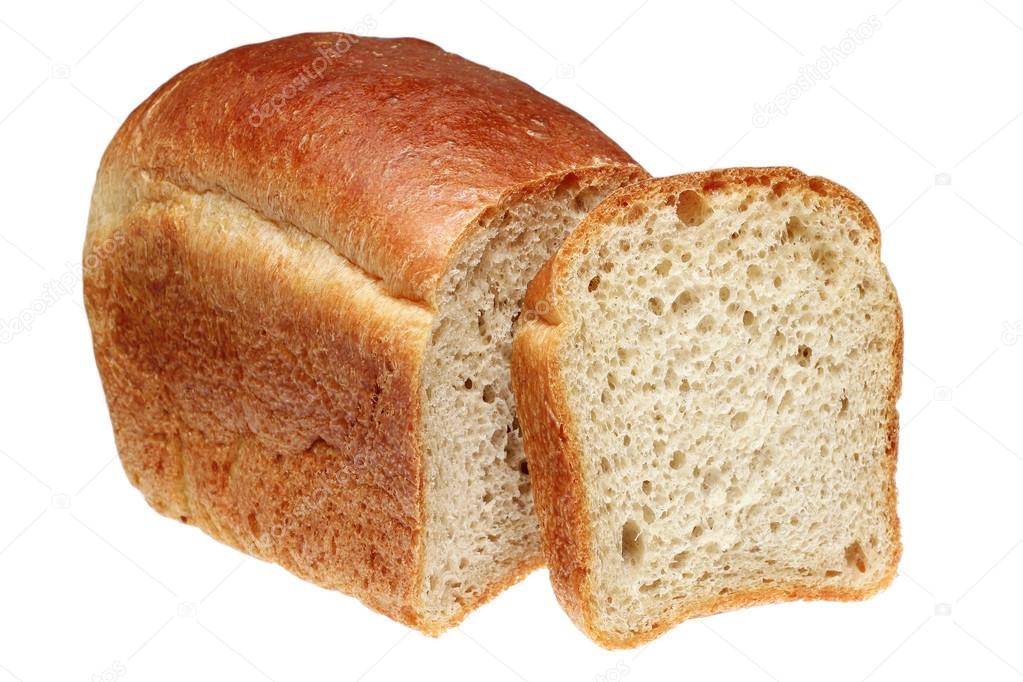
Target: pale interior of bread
[729, 375]
[480, 523]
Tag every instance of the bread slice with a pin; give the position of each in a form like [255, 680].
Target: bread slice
[706, 380]
[303, 262]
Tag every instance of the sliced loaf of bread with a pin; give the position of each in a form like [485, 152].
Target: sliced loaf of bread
[706, 376]
[303, 263]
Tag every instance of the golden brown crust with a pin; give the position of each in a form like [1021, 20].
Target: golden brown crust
[280, 429]
[261, 295]
[550, 433]
[387, 149]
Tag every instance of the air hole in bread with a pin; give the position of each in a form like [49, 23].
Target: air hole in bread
[632, 543]
[682, 302]
[795, 230]
[679, 560]
[567, 188]
[825, 259]
[587, 199]
[854, 556]
[692, 208]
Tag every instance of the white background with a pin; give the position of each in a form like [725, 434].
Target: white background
[922, 119]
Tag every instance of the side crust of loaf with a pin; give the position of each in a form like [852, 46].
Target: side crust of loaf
[550, 433]
[251, 417]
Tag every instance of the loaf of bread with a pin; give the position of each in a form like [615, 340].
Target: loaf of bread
[304, 262]
[706, 380]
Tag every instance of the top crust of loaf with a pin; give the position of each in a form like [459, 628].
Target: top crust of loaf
[550, 432]
[387, 149]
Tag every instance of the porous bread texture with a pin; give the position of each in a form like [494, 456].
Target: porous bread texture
[480, 520]
[728, 356]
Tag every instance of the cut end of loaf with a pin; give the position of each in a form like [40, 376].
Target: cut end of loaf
[481, 530]
[728, 363]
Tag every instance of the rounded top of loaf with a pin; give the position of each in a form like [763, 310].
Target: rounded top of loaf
[387, 149]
